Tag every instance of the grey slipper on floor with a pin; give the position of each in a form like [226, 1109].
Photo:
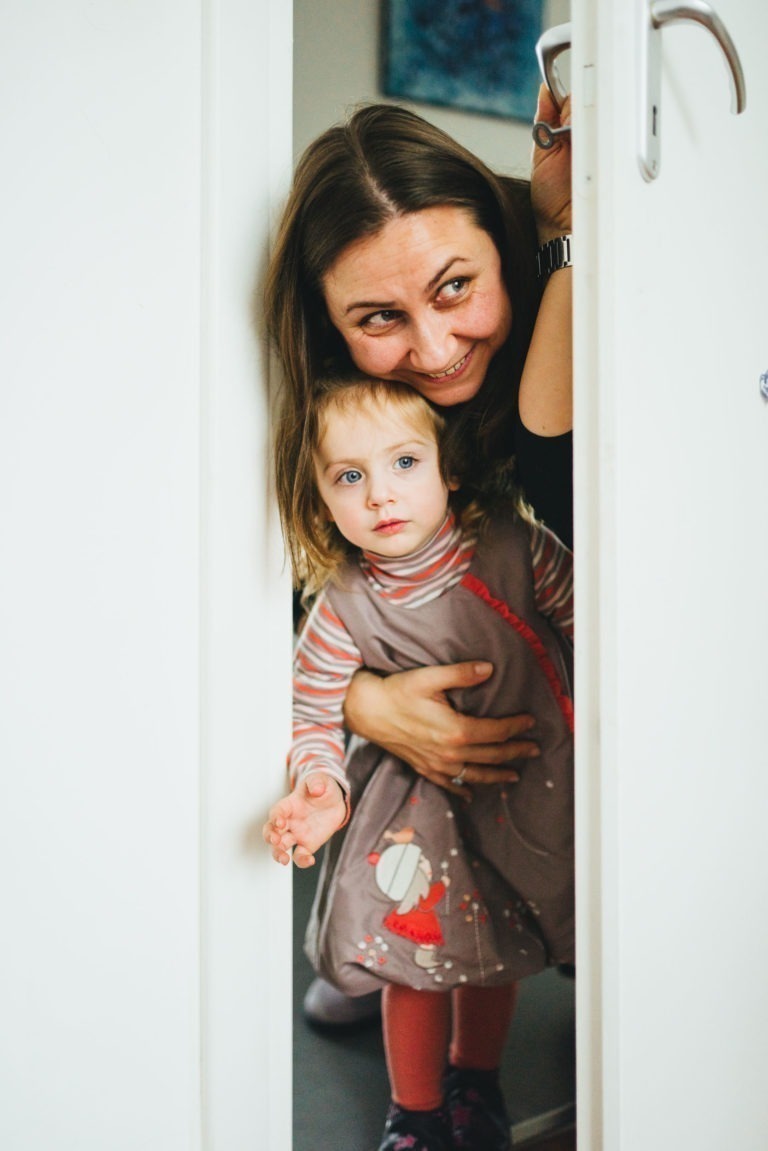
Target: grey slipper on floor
[326, 1006]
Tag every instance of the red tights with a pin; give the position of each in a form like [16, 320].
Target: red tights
[421, 1028]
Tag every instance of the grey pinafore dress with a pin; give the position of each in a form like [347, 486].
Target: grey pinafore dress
[422, 888]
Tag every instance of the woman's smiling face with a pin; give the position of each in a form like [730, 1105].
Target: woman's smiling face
[423, 301]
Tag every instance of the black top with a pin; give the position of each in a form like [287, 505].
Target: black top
[545, 471]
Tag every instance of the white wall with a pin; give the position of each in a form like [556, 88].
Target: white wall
[145, 623]
[336, 64]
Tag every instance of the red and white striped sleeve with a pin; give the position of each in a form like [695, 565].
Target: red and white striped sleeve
[325, 660]
[553, 579]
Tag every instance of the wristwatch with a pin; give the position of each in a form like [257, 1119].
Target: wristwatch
[553, 256]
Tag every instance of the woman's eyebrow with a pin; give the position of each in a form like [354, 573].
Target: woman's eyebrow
[445, 268]
[377, 304]
[384, 304]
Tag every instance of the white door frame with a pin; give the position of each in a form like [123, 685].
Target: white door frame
[246, 914]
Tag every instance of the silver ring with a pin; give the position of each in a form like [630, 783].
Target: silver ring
[459, 779]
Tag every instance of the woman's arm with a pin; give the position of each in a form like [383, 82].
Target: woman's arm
[409, 714]
[546, 398]
[546, 387]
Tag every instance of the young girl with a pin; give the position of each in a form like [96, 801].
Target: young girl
[444, 899]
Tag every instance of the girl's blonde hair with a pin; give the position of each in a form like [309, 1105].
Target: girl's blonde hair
[316, 547]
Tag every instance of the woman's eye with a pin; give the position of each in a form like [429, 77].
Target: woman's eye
[453, 289]
[379, 321]
[405, 462]
[350, 476]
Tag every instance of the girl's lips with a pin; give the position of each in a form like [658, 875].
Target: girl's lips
[389, 527]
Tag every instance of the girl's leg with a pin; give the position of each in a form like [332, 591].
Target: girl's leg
[481, 1019]
[416, 1032]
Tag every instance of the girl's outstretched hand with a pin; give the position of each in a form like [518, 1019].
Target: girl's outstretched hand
[306, 819]
[409, 714]
[551, 172]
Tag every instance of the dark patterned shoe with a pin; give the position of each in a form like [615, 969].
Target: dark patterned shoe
[416, 1130]
[478, 1114]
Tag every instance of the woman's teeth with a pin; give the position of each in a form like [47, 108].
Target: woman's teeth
[449, 371]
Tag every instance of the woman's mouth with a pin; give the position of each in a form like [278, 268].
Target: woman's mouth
[454, 370]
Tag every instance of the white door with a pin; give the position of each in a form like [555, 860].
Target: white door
[672, 553]
[144, 620]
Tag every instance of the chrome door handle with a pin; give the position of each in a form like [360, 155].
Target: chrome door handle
[654, 17]
[548, 47]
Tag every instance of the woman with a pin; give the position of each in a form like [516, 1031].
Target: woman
[402, 253]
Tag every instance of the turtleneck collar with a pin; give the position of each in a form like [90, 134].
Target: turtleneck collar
[425, 574]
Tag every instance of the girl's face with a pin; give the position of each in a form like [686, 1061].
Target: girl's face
[378, 474]
[423, 301]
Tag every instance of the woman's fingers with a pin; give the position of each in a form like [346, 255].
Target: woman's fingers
[548, 111]
[409, 714]
[473, 731]
[551, 171]
[469, 775]
[433, 681]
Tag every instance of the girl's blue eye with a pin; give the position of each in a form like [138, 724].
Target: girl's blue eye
[405, 462]
[351, 476]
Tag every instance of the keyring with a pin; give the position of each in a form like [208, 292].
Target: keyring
[544, 136]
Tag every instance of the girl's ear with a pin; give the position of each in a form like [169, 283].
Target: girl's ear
[452, 484]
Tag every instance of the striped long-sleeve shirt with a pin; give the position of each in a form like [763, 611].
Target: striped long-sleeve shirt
[326, 656]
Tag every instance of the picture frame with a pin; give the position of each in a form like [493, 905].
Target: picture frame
[474, 55]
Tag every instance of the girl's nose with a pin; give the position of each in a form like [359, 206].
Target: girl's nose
[434, 344]
[379, 492]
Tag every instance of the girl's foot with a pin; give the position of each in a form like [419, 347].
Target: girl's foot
[416, 1130]
[478, 1113]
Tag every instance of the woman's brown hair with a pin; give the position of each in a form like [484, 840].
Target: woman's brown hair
[353, 179]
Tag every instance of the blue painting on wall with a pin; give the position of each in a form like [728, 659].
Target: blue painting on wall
[478, 55]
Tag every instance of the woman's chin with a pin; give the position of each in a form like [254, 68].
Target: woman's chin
[447, 393]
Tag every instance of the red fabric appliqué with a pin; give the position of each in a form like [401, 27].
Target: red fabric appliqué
[420, 924]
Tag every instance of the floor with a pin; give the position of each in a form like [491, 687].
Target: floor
[564, 1142]
[340, 1082]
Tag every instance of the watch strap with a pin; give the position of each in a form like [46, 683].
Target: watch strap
[553, 256]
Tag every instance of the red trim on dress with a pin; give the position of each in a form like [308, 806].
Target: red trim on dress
[526, 632]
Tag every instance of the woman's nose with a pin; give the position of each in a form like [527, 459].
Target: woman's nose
[433, 344]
